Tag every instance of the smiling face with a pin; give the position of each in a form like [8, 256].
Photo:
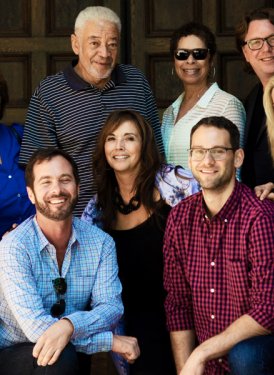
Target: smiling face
[262, 60]
[54, 191]
[123, 149]
[96, 45]
[214, 175]
[192, 71]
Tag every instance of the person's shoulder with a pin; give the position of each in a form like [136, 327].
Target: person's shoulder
[187, 206]
[253, 205]
[227, 96]
[49, 81]
[86, 230]
[19, 237]
[256, 91]
[131, 71]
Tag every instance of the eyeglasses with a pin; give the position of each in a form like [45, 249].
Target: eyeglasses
[60, 287]
[197, 53]
[257, 43]
[217, 153]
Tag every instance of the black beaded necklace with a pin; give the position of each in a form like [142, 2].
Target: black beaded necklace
[124, 208]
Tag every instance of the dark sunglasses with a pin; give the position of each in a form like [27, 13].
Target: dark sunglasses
[60, 287]
[197, 53]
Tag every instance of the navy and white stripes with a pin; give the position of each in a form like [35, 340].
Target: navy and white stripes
[67, 112]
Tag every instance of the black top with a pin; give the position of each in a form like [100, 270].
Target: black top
[258, 167]
[140, 261]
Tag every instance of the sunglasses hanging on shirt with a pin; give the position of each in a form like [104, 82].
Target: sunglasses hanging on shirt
[60, 287]
[197, 53]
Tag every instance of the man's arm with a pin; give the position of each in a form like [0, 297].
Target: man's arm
[182, 343]
[20, 297]
[39, 129]
[219, 345]
[106, 306]
[259, 319]
[178, 304]
[153, 117]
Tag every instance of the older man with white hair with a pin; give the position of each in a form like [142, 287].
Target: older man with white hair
[68, 109]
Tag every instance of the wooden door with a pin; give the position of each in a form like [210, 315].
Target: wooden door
[152, 23]
[35, 42]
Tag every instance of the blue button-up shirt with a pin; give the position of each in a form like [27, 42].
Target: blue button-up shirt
[15, 205]
[28, 264]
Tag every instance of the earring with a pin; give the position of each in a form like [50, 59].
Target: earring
[172, 71]
[213, 72]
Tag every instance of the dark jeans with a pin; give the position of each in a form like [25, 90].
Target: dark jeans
[18, 360]
[254, 356]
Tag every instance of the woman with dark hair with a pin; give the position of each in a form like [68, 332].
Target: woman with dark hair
[193, 48]
[15, 205]
[135, 191]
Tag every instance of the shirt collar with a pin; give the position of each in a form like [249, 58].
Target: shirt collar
[208, 95]
[227, 211]
[77, 83]
[43, 241]
[203, 102]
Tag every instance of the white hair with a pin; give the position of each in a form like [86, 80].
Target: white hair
[96, 13]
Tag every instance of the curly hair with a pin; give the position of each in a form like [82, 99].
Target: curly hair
[150, 162]
[197, 29]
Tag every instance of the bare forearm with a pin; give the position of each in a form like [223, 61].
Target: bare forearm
[183, 343]
[219, 345]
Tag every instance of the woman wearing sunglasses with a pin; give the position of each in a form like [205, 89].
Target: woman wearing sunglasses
[193, 47]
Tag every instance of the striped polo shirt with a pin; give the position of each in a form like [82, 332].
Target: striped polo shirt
[68, 113]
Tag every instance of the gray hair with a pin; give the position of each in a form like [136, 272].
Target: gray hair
[97, 13]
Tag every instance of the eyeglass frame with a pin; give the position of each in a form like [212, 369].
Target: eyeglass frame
[246, 42]
[190, 52]
[60, 290]
[208, 150]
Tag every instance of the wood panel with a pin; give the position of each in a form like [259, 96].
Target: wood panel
[16, 70]
[60, 15]
[152, 23]
[34, 42]
[229, 13]
[15, 18]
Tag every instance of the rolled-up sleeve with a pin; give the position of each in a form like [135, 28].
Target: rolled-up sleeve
[261, 249]
[178, 304]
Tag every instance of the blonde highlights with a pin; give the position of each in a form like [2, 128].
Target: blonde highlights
[269, 111]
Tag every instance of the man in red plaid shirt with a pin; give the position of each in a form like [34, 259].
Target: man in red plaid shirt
[219, 269]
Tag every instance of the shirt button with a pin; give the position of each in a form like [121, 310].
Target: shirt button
[19, 195]
[212, 290]
[212, 264]
[212, 316]
[225, 220]
[220, 360]
[9, 176]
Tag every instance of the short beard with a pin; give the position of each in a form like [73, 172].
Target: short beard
[59, 215]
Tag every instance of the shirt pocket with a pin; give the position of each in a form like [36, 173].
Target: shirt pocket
[79, 292]
[238, 285]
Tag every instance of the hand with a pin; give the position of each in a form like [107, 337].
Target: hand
[11, 228]
[50, 345]
[127, 347]
[194, 365]
[265, 191]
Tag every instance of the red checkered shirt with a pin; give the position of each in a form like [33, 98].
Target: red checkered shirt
[220, 269]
